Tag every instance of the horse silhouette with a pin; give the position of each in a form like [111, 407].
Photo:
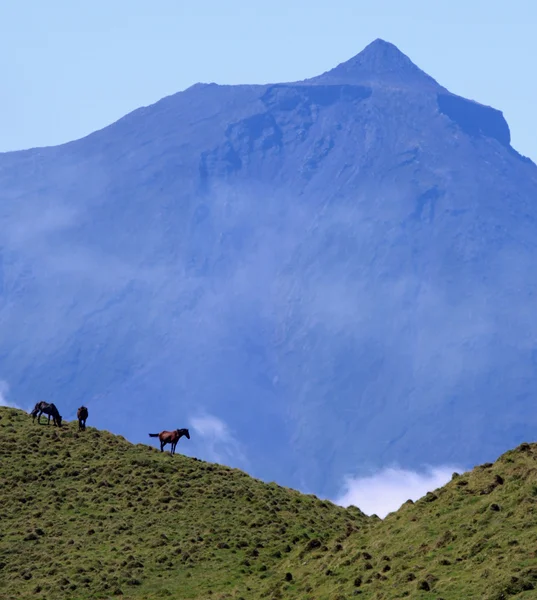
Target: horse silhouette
[82, 415]
[170, 437]
[47, 409]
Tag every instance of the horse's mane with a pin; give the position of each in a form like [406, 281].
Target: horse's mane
[37, 407]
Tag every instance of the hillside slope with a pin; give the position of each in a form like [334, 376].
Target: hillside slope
[341, 270]
[91, 516]
[473, 538]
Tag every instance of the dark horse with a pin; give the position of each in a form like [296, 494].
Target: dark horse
[82, 415]
[47, 409]
[170, 437]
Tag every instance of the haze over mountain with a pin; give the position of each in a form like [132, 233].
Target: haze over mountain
[322, 277]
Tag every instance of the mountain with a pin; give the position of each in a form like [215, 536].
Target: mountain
[321, 278]
[89, 515]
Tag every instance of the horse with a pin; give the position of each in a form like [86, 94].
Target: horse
[82, 415]
[170, 437]
[47, 409]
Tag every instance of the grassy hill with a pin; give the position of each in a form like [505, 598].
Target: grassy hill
[89, 515]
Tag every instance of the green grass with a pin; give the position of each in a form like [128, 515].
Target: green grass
[89, 515]
[474, 538]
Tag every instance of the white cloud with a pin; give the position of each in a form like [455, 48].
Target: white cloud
[218, 442]
[4, 389]
[210, 426]
[385, 491]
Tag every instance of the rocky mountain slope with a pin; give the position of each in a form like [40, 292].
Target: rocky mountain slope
[340, 270]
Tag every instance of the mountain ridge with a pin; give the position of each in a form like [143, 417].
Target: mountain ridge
[376, 61]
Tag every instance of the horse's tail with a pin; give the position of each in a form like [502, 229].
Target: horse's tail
[154, 434]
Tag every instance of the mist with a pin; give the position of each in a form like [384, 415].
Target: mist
[4, 392]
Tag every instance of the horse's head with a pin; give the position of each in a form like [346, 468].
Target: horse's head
[59, 420]
[185, 432]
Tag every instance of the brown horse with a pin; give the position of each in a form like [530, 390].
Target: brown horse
[170, 437]
[82, 415]
[47, 409]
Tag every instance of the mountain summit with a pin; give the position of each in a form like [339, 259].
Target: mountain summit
[380, 63]
[319, 278]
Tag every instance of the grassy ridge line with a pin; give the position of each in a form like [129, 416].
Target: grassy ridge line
[476, 537]
[89, 515]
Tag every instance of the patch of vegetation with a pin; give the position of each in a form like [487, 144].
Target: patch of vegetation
[89, 515]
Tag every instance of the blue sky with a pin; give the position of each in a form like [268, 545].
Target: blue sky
[69, 68]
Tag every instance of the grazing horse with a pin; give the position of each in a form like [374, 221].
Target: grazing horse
[47, 409]
[82, 415]
[170, 437]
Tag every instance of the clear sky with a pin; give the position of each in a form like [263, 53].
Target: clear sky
[69, 68]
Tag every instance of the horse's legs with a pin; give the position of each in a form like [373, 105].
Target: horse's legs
[173, 447]
[39, 417]
[162, 444]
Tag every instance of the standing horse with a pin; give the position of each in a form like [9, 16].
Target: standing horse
[170, 437]
[82, 415]
[47, 409]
